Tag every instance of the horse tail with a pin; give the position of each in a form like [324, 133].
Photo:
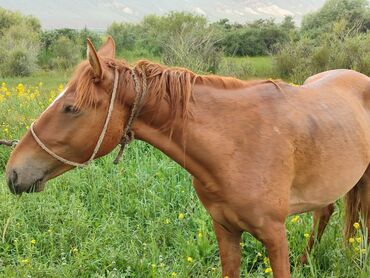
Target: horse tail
[352, 210]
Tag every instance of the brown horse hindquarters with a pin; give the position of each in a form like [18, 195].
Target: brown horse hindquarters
[332, 149]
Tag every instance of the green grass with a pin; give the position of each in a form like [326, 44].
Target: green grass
[123, 221]
[262, 67]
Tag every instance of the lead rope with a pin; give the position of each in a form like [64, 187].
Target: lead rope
[128, 134]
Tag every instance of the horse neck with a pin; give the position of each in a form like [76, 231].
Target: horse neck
[180, 139]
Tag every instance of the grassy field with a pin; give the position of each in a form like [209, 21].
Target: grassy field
[141, 218]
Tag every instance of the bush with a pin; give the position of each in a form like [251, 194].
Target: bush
[63, 48]
[241, 69]
[126, 35]
[19, 63]
[299, 60]
[9, 19]
[194, 49]
[65, 53]
[253, 39]
[19, 48]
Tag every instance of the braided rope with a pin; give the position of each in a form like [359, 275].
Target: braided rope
[101, 137]
[128, 134]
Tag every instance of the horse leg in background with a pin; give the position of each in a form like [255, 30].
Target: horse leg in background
[229, 248]
[274, 239]
[358, 204]
[320, 220]
[364, 191]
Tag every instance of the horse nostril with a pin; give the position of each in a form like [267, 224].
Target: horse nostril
[12, 180]
[13, 177]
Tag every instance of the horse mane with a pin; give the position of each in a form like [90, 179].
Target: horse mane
[175, 85]
[171, 84]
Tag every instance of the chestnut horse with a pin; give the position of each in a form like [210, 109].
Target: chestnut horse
[259, 151]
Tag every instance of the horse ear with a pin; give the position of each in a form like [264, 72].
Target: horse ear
[108, 49]
[94, 60]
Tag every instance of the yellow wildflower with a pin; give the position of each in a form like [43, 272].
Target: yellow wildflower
[295, 219]
[351, 240]
[181, 216]
[200, 235]
[306, 235]
[358, 239]
[189, 259]
[266, 260]
[356, 225]
[173, 274]
[268, 270]
[60, 87]
[33, 241]
[25, 261]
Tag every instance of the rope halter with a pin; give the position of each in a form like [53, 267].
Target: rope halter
[128, 134]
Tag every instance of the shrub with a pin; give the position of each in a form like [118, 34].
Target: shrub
[298, 60]
[19, 48]
[65, 53]
[63, 48]
[193, 48]
[241, 69]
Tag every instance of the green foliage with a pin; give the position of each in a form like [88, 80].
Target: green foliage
[253, 39]
[155, 32]
[299, 60]
[193, 48]
[354, 12]
[64, 48]
[10, 19]
[333, 37]
[126, 35]
[19, 47]
[159, 29]
[65, 53]
[239, 68]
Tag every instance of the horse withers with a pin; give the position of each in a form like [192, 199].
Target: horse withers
[259, 151]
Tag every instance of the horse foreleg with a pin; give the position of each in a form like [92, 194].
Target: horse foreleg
[320, 220]
[229, 247]
[274, 239]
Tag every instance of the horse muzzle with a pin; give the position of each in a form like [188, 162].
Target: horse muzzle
[19, 182]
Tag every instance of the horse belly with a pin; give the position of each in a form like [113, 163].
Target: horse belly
[328, 185]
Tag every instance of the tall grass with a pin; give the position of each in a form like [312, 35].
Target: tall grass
[141, 218]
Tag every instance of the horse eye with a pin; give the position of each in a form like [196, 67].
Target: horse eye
[70, 109]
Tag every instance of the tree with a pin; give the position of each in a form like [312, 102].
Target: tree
[354, 12]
